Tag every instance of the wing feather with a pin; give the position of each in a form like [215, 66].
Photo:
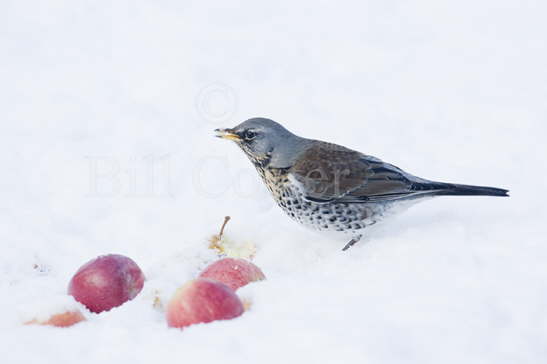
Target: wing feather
[331, 172]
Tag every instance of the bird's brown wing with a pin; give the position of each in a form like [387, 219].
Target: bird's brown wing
[330, 172]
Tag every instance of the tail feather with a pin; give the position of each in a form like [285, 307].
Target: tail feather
[450, 189]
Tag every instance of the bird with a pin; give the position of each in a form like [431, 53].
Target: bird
[328, 187]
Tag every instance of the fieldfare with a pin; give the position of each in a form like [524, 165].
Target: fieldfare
[328, 187]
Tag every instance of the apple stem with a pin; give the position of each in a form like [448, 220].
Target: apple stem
[226, 219]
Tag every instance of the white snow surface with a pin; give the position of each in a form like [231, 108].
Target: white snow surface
[107, 116]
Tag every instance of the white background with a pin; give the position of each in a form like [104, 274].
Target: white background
[93, 93]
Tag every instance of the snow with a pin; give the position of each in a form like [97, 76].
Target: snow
[107, 118]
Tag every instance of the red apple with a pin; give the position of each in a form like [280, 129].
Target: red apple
[233, 272]
[106, 282]
[202, 300]
[64, 319]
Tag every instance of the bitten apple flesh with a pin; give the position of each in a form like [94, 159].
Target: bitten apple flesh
[201, 301]
[106, 282]
[234, 273]
[64, 319]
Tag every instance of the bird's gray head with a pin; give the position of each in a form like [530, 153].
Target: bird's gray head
[264, 141]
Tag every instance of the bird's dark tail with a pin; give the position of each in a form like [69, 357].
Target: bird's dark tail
[451, 189]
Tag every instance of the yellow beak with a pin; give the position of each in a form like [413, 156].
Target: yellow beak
[227, 134]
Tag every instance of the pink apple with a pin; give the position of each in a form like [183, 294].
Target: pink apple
[233, 272]
[202, 300]
[64, 319]
[106, 282]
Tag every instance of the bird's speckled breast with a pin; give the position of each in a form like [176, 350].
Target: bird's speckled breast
[342, 217]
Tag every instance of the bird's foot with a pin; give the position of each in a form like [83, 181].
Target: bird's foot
[352, 242]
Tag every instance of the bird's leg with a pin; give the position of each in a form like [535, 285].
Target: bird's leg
[352, 242]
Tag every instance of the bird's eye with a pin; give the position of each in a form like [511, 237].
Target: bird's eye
[249, 135]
